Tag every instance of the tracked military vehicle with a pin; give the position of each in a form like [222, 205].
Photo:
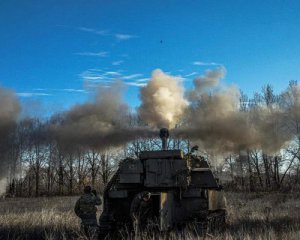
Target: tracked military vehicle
[183, 187]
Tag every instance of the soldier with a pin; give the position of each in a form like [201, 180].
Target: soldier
[85, 208]
[141, 211]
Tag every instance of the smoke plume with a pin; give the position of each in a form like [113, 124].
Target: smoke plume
[9, 111]
[269, 123]
[210, 79]
[163, 103]
[209, 114]
[291, 102]
[99, 124]
[216, 122]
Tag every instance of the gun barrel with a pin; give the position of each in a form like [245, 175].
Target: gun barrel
[164, 135]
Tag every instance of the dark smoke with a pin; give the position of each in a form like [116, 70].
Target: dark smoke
[214, 119]
[209, 115]
[215, 123]
[100, 124]
[9, 112]
[270, 125]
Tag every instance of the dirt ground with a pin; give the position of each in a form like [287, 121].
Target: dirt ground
[250, 216]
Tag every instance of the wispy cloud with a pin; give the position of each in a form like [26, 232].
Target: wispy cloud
[112, 73]
[123, 37]
[73, 90]
[93, 54]
[97, 77]
[39, 89]
[124, 55]
[119, 36]
[95, 31]
[143, 80]
[191, 74]
[103, 32]
[200, 63]
[92, 78]
[132, 76]
[136, 84]
[117, 63]
[32, 94]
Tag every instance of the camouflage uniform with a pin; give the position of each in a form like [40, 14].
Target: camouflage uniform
[85, 208]
[140, 212]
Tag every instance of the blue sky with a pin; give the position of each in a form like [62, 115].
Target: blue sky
[53, 52]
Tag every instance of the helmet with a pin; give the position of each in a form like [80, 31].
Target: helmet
[87, 189]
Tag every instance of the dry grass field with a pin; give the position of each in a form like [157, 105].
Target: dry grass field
[250, 216]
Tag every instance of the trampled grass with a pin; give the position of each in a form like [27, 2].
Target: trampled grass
[250, 216]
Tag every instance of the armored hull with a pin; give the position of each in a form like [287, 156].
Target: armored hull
[183, 187]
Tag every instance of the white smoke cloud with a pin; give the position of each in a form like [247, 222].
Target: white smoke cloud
[163, 103]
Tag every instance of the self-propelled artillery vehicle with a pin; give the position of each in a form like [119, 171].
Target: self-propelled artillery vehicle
[183, 189]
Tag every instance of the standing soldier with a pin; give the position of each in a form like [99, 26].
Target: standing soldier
[86, 209]
[141, 211]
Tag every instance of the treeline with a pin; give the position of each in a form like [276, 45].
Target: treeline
[261, 169]
[38, 164]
